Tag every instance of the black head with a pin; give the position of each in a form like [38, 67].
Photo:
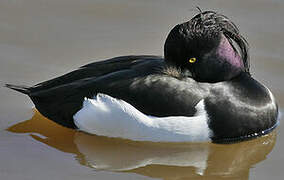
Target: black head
[209, 46]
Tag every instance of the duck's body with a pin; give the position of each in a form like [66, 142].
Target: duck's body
[231, 107]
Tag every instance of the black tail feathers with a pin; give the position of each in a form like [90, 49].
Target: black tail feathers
[19, 88]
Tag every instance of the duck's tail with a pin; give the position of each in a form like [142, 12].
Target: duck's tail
[20, 88]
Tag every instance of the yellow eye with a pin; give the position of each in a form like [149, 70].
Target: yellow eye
[192, 60]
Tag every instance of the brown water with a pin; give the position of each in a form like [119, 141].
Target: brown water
[41, 39]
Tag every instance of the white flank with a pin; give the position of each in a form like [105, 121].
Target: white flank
[108, 116]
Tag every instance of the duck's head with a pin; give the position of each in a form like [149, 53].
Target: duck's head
[209, 46]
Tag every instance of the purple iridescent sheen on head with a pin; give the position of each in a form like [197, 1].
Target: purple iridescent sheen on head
[226, 51]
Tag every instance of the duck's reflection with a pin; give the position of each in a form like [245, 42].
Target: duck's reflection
[159, 160]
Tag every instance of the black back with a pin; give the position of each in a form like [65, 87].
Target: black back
[142, 81]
